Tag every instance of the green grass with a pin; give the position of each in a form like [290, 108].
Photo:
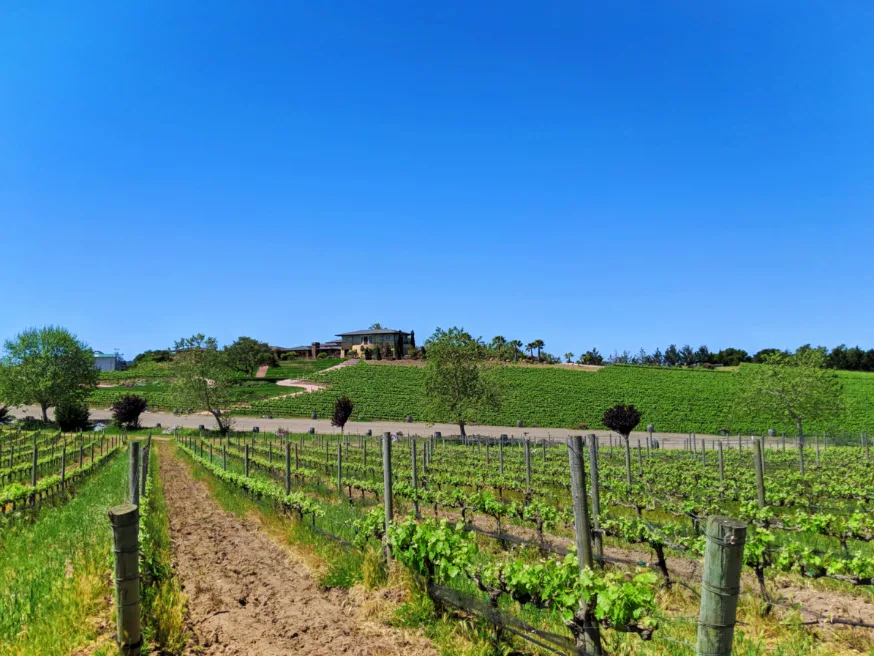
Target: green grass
[675, 400]
[55, 573]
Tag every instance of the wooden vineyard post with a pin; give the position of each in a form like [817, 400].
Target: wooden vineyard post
[340, 470]
[592, 443]
[364, 453]
[246, 461]
[124, 520]
[288, 467]
[527, 466]
[721, 465]
[225, 457]
[81, 456]
[386, 482]
[816, 443]
[783, 440]
[543, 448]
[627, 459]
[296, 458]
[416, 474]
[591, 636]
[639, 459]
[760, 474]
[723, 559]
[63, 463]
[133, 472]
[144, 469]
[33, 469]
[210, 453]
[501, 441]
[488, 458]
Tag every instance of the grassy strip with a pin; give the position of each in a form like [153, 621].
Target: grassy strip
[55, 573]
[163, 602]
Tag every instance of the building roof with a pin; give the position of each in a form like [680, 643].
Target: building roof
[375, 331]
[98, 354]
[335, 344]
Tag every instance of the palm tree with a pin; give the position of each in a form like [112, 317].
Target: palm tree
[569, 356]
[516, 345]
[538, 344]
[530, 346]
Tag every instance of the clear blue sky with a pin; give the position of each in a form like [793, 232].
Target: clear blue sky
[616, 177]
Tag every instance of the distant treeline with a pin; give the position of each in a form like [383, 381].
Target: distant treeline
[841, 357]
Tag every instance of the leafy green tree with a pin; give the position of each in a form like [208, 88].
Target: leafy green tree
[569, 357]
[459, 377]
[45, 366]
[343, 407]
[796, 386]
[764, 355]
[538, 344]
[202, 378]
[246, 355]
[375, 326]
[162, 355]
[731, 357]
[672, 356]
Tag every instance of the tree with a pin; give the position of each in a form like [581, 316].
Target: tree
[762, 356]
[516, 345]
[538, 344]
[731, 357]
[672, 356]
[569, 356]
[687, 356]
[46, 366]
[127, 410]
[459, 377]
[246, 355]
[375, 326]
[622, 419]
[343, 407]
[530, 346]
[71, 414]
[202, 378]
[162, 355]
[592, 357]
[798, 387]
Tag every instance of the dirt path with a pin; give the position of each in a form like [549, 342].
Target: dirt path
[262, 371]
[246, 597]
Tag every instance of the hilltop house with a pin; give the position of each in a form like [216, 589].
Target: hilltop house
[106, 361]
[352, 344]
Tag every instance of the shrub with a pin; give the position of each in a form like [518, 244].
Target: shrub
[378, 353]
[127, 410]
[322, 356]
[5, 417]
[72, 415]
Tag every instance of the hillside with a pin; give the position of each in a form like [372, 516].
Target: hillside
[675, 400]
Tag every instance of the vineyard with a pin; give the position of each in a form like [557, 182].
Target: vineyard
[676, 400]
[487, 527]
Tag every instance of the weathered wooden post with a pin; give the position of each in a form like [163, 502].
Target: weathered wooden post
[225, 457]
[124, 520]
[33, 468]
[296, 458]
[339, 470]
[816, 443]
[527, 466]
[625, 439]
[501, 441]
[591, 634]
[133, 479]
[63, 463]
[81, 456]
[144, 469]
[386, 482]
[416, 475]
[246, 460]
[639, 458]
[288, 467]
[760, 474]
[721, 465]
[592, 443]
[720, 587]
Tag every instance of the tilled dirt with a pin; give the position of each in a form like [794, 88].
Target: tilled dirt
[247, 597]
